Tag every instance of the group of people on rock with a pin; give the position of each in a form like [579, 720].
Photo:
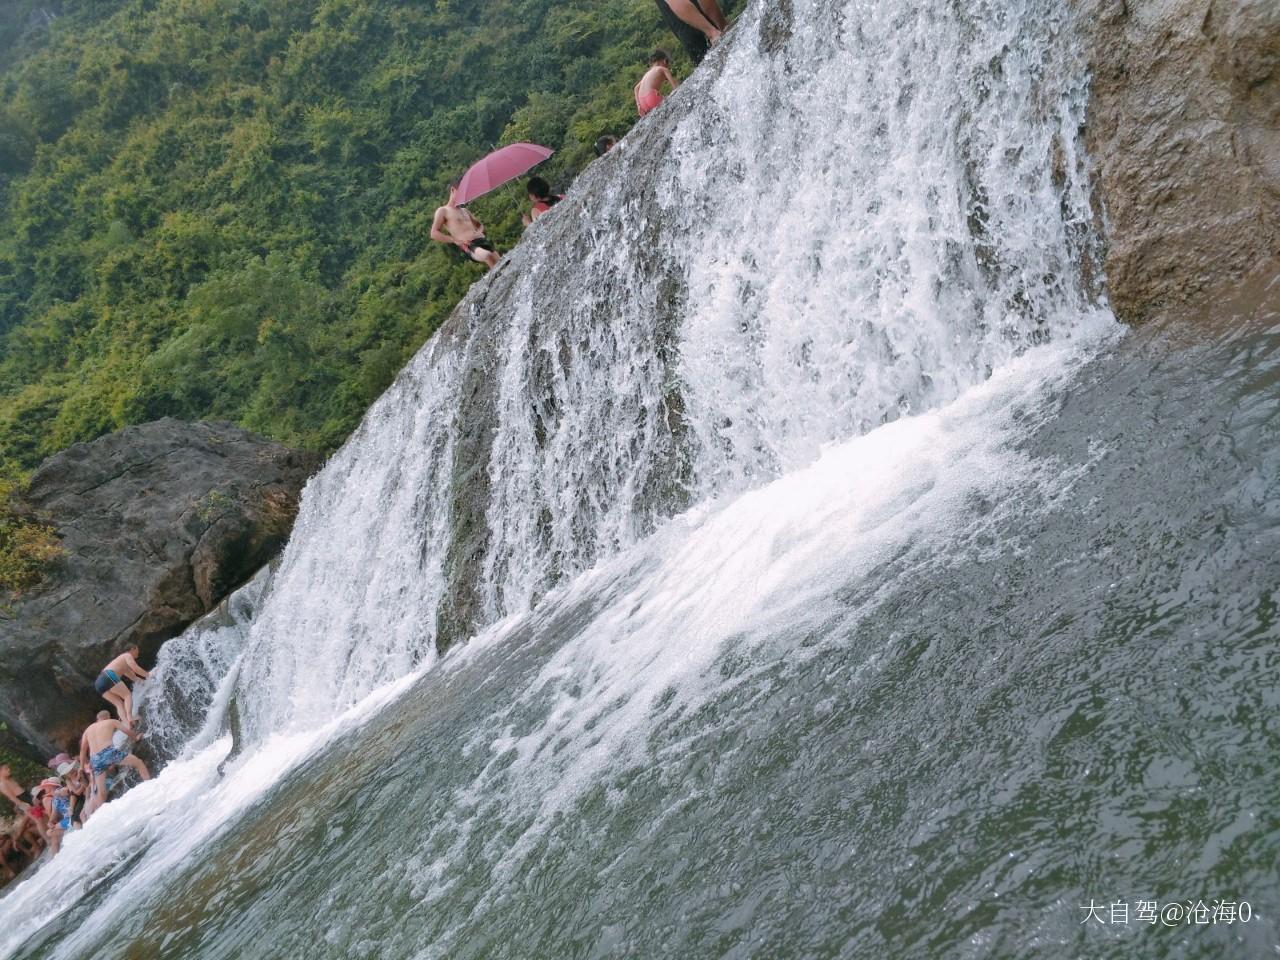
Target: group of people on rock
[458, 227]
[79, 785]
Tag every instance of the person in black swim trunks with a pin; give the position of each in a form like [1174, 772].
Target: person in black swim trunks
[113, 682]
[456, 226]
[684, 17]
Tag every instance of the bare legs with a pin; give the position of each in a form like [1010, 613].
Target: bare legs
[696, 18]
[120, 698]
[138, 766]
[480, 255]
[98, 796]
[712, 9]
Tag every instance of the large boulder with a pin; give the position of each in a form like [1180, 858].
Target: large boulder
[1184, 131]
[158, 523]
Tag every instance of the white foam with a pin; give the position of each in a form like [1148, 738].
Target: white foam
[733, 576]
[160, 824]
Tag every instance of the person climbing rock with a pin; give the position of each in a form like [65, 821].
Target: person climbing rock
[456, 226]
[113, 682]
[541, 197]
[97, 752]
[605, 144]
[648, 91]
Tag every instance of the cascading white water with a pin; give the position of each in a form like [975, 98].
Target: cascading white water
[855, 211]
[184, 699]
[861, 209]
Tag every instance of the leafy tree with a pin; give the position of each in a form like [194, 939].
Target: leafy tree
[219, 208]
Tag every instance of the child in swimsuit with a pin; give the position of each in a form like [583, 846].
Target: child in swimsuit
[647, 91]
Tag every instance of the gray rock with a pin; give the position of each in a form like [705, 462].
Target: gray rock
[158, 523]
[1184, 130]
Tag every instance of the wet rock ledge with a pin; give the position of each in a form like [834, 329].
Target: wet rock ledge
[157, 524]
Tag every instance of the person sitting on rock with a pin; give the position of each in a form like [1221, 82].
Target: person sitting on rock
[28, 832]
[36, 817]
[648, 91]
[541, 197]
[454, 225]
[10, 855]
[113, 682]
[98, 753]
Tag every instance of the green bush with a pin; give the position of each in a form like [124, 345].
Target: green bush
[28, 547]
[215, 209]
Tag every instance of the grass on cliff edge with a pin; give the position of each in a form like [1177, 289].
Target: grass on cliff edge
[28, 547]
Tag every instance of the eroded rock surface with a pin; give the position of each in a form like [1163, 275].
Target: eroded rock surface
[1184, 130]
[158, 523]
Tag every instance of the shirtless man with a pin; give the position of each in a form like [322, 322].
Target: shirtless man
[648, 92]
[113, 682]
[463, 231]
[98, 753]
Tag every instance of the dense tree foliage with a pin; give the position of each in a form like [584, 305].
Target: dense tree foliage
[219, 208]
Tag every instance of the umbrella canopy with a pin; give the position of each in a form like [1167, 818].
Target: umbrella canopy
[501, 166]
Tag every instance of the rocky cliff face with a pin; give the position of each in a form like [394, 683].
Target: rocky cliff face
[1184, 132]
[158, 523]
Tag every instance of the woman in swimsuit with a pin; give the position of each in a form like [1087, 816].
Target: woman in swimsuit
[542, 199]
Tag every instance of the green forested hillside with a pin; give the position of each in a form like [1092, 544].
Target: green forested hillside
[219, 208]
[25, 25]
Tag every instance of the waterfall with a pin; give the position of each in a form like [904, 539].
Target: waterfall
[854, 211]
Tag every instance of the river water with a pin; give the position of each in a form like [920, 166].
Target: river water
[945, 610]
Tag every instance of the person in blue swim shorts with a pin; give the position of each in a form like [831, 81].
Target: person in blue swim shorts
[99, 754]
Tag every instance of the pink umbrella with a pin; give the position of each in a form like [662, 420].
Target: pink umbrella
[501, 166]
